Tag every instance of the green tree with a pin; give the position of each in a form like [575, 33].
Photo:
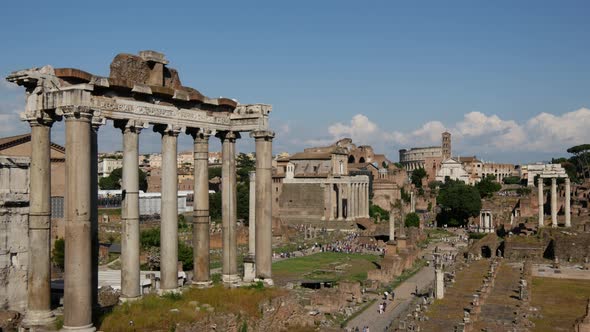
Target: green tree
[185, 255]
[150, 238]
[214, 172]
[244, 165]
[376, 211]
[458, 202]
[58, 253]
[405, 196]
[215, 206]
[243, 201]
[412, 220]
[488, 186]
[113, 181]
[581, 157]
[512, 180]
[417, 176]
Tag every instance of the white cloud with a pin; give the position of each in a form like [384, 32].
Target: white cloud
[477, 133]
[4, 84]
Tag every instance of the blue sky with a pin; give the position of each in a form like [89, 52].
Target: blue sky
[509, 80]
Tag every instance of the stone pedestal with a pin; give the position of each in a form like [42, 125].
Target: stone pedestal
[249, 269]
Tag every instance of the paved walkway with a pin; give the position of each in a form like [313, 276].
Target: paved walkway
[403, 297]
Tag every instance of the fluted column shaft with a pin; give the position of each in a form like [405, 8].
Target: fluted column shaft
[78, 251]
[130, 287]
[263, 209]
[553, 202]
[541, 202]
[39, 274]
[567, 208]
[201, 209]
[169, 212]
[229, 208]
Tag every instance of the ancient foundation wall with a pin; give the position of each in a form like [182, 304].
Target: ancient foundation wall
[300, 202]
[14, 209]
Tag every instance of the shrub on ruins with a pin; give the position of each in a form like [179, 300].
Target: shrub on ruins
[417, 176]
[150, 238]
[58, 253]
[488, 186]
[458, 202]
[412, 220]
[375, 211]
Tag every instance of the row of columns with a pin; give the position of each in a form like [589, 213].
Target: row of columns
[486, 224]
[81, 228]
[357, 200]
[414, 165]
[567, 205]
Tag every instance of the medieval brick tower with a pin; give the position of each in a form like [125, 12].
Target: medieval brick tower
[446, 145]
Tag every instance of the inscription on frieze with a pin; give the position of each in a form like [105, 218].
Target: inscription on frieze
[113, 105]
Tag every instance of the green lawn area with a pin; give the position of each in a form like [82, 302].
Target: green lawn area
[560, 301]
[325, 266]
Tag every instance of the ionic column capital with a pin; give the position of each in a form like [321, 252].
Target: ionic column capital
[133, 126]
[200, 135]
[231, 136]
[168, 129]
[266, 135]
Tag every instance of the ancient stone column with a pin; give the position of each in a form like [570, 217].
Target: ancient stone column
[391, 226]
[130, 287]
[95, 125]
[78, 241]
[252, 215]
[541, 202]
[412, 202]
[169, 210]
[339, 202]
[366, 200]
[567, 208]
[333, 201]
[201, 272]
[263, 204]
[349, 201]
[553, 202]
[39, 274]
[354, 200]
[228, 206]
[439, 283]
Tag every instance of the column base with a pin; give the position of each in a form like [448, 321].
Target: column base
[38, 318]
[202, 284]
[162, 292]
[129, 299]
[230, 278]
[267, 282]
[85, 328]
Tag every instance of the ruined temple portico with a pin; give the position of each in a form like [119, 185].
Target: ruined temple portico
[553, 172]
[141, 91]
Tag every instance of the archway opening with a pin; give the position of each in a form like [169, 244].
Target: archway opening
[486, 252]
[361, 160]
[351, 159]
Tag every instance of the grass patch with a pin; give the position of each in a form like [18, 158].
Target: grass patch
[561, 302]
[165, 313]
[110, 212]
[325, 266]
